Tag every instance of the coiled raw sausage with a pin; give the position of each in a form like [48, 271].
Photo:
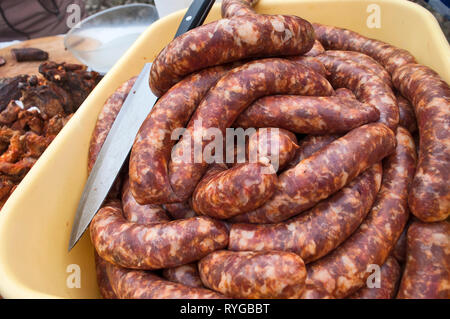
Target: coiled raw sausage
[308, 114]
[429, 199]
[365, 60]
[141, 214]
[407, 116]
[368, 87]
[277, 145]
[185, 274]
[343, 271]
[427, 269]
[311, 62]
[324, 173]
[309, 145]
[180, 210]
[150, 155]
[154, 246]
[247, 274]
[318, 231]
[342, 39]
[224, 193]
[229, 40]
[139, 284]
[235, 8]
[316, 49]
[104, 286]
[226, 100]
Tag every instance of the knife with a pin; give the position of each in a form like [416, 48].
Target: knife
[120, 138]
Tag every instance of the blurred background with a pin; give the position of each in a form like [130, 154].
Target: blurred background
[29, 19]
[440, 9]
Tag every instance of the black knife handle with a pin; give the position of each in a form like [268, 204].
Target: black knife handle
[195, 15]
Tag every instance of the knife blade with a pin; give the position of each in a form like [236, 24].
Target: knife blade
[120, 138]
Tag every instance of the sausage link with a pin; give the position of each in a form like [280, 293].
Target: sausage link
[236, 8]
[389, 279]
[224, 193]
[268, 144]
[154, 246]
[344, 271]
[139, 284]
[277, 145]
[308, 114]
[311, 292]
[365, 60]
[333, 38]
[309, 145]
[318, 231]
[345, 93]
[185, 274]
[427, 269]
[368, 87]
[104, 286]
[429, 199]
[247, 274]
[232, 94]
[150, 155]
[180, 210]
[325, 172]
[316, 49]
[229, 40]
[387, 55]
[407, 117]
[399, 250]
[312, 63]
[141, 214]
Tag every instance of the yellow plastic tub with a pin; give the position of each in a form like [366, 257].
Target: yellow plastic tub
[36, 221]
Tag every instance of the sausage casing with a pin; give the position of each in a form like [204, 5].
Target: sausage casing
[141, 214]
[231, 95]
[367, 86]
[319, 230]
[224, 193]
[235, 8]
[345, 269]
[309, 145]
[407, 116]
[185, 274]
[229, 40]
[427, 268]
[277, 145]
[308, 114]
[325, 172]
[429, 199]
[150, 155]
[154, 246]
[365, 60]
[104, 286]
[139, 284]
[247, 274]
[342, 39]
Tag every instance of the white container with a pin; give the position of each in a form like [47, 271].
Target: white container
[101, 39]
